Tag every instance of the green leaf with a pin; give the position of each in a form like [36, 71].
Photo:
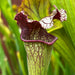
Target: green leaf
[2, 56]
[66, 36]
[64, 46]
[4, 30]
[9, 15]
[58, 61]
[4, 66]
[57, 25]
[68, 70]
[35, 9]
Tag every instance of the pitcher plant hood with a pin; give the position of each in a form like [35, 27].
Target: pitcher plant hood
[35, 31]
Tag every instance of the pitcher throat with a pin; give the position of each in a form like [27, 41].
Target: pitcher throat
[38, 58]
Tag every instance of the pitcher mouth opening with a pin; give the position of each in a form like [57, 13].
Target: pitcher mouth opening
[48, 43]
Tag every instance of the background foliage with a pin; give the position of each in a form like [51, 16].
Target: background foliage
[13, 60]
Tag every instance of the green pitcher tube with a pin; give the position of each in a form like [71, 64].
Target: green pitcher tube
[38, 57]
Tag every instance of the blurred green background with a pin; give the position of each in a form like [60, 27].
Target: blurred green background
[12, 52]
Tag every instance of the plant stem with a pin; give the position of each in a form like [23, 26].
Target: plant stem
[38, 56]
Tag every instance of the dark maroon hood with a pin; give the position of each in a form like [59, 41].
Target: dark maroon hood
[32, 31]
